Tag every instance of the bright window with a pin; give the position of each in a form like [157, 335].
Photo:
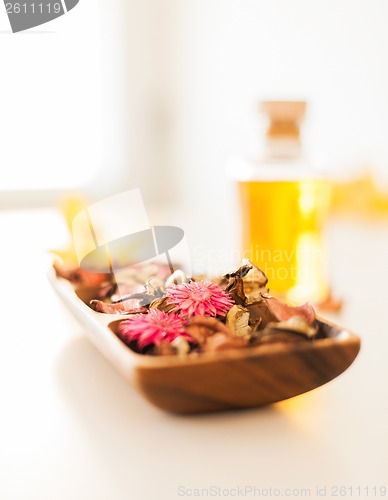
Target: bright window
[50, 102]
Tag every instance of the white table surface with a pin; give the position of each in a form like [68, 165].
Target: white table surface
[72, 428]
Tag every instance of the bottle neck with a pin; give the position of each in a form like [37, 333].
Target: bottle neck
[282, 147]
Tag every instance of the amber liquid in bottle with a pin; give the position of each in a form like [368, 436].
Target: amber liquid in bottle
[284, 206]
[282, 232]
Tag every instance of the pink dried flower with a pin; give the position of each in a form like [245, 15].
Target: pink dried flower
[153, 328]
[200, 298]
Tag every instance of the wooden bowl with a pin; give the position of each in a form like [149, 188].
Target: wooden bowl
[236, 378]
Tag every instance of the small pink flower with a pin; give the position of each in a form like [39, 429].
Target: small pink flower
[153, 328]
[200, 298]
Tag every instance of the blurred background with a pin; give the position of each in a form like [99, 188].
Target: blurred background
[160, 95]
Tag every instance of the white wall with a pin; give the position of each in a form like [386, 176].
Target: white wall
[180, 83]
[50, 102]
[332, 53]
[230, 54]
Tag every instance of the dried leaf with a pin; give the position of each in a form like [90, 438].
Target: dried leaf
[222, 342]
[178, 347]
[260, 315]
[283, 312]
[241, 271]
[235, 289]
[246, 284]
[237, 320]
[254, 283]
[221, 281]
[272, 336]
[131, 306]
[163, 304]
[295, 324]
[255, 296]
[255, 278]
[212, 335]
[202, 327]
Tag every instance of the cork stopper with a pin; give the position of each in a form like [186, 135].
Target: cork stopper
[285, 118]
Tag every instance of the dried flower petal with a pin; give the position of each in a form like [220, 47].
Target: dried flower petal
[295, 324]
[260, 315]
[270, 336]
[163, 304]
[237, 320]
[221, 342]
[202, 327]
[235, 287]
[153, 328]
[200, 298]
[212, 335]
[178, 347]
[282, 311]
[130, 306]
[241, 271]
[255, 282]
[255, 278]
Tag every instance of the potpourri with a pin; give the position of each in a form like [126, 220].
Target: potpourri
[174, 314]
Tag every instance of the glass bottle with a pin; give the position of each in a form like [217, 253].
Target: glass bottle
[284, 205]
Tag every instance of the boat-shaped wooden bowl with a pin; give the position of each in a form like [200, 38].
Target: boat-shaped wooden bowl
[236, 378]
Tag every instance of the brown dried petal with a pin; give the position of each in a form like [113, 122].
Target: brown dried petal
[222, 342]
[246, 285]
[106, 291]
[255, 296]
[295, 324]
[212, 324]
[272, 336]
[255, 278]
[212, 335]
[179, 347]
[202, 327]
[163, 304]
[282, 311]
[237, 320]
[241, 271]
[164, 349]
[235, 289]
[260, 315]
[221, 281]
[130, 306]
